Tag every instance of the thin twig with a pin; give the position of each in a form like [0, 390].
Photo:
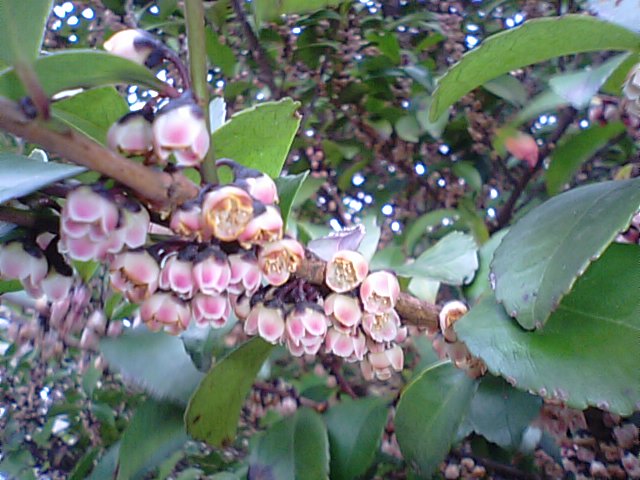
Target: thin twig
[507, 470]
[259, 53]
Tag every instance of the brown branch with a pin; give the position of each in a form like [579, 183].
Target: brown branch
[28, 219]
[257, 50]
[163, 190]
[506, 212]
[411, 309]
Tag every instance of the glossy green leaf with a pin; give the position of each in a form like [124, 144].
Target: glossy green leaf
[106, 466]
[156, 361]
[20, 176]
[296, 447]
[220, 54]
[453, 260]
[408, 128]
[80, 69]
[92, 112]
[481, 284]
[429, 413]
[613, 85]
[535, 41]
[372, 231]
[288, 188]
[22, 26]
[259, 137]
[545, 102]
[500, 412]
[155, 431]
[551, 246]
[266, 10]
[7, 286]
[573, 151]
[355, 430]
[214, 409]
[587, 353]
[508, 88]
[578, 88]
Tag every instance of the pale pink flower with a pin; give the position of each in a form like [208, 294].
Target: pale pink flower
[187, 222]
[382, 363]
[56, 286]
[211, 272]
[264, 227]
[379, 292]
[27, 264]
[345, 271]
[523, 147]
[131, 135]
[132, 44]
[344, 309]
[165, 311]
[241, 305]
[180, 128]
[176, 275]
[350, 345]
[135, 225]
[381, 327]
[211, 310]
[265, 321]
[135, 274]
[245, 273]
[278, 260]
[226, 211]
[306, 328]
[262, 188]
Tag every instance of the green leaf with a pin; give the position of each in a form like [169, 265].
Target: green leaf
[155, 432]
[21, 29]
[266, 10]
[613, 85]
[20, 176]
[578, 88]
[220, 54]
[156, 361]
[508, 88]
[288, 188]
[573, 151]
[587, 354]
[259, 137]
[453, 260]
[500, 413]
[408, 128]
[545, 251]
[7, 286]
[355, 429]
[535, 41]
[296, 447]
[545, 102]
[106, 466]
[92, 112]
[80, 69]
[372, 231]
[481, 284]
[214, 409]
[429, 413]
[425, 224]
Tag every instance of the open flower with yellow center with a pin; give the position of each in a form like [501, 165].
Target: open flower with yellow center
[345, 271]
[379, 292]
[278, 260]
[226, 212]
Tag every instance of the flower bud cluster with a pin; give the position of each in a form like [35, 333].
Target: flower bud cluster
[95, 226]
[355, 319]
[447, 345]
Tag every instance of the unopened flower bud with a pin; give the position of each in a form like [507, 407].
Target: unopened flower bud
[306, 327]
[265, 321]
[114, 329]
[56, 286]
[135, 274]
[264, 227]
[131, 135]
[135, 45]
[381, 327]
[345, 271]
[379, 292]
[97, 322]
[278, 260]
[211, 310]
[524, 147]
[180, 128]
[89, 339]
[344, 309]
[259, 185]
[226, 211]
[165, 311]
[241, 306]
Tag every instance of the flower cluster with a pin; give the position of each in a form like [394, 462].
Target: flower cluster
[94, 225]
[447, 345]
[355, 319]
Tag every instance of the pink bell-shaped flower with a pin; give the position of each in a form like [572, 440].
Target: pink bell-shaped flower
[135, 45]
[382, 363]
[245, 273]
[211, 310]
[165, 311]
[29, 265]
[187, 222]
[268, 322]
[345, 271]
[226, 211]
[306, 328]
[135, 274]
[350, 345]
[180, 128]
[176, 275]
[56, 286]
[131, 135]
[379, 292]
[278, 260]
[381, 327]
[211, 272]
[264, 227]
[344, 309]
